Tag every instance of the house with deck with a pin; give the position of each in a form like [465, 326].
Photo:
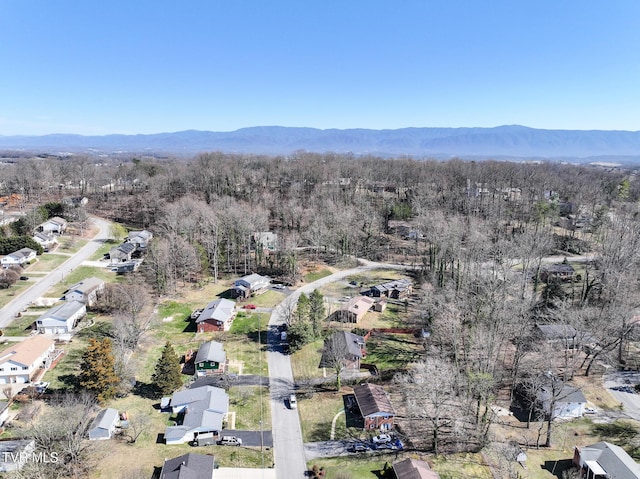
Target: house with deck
[61, 319]
[22, 362]
[210, 359]
[250, 285]
[216, 316]
[202, 410]
[18, 258]
[353, 311]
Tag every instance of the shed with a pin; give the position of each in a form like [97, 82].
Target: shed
[104, 424]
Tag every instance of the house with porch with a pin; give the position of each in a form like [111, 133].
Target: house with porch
[353, 311]
[122, 253]
[375, 406]
[250, 285]
[604, 460]
[86, 291]
[200, 410]
[398, 289]
[47, 241]
[210, 359]
[53, 225]
[22, 362]
[140, 239]
[61, 319]
[18, 258]
[216, 316]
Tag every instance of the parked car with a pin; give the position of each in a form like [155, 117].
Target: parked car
[381, 439]
[293, 401]
[230, 441]
[250, 306]
[24, 278]
[278, 286]
[41, 386]
[590, 410]
[358, 447]
[353, 283]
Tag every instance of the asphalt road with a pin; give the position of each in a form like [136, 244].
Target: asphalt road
[289, 451]
[630, 401]
[42, 285]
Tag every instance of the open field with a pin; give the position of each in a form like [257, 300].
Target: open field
[7, 295]
[46, 263]
[317, 412]
[70, 244]
[304, 362]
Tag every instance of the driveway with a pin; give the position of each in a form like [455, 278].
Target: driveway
[42, 285]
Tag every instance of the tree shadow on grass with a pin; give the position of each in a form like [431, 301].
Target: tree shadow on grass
[253, 336]
[616, 431]
[99, 330]
[557, 467]
[145, 390]
[71, 381]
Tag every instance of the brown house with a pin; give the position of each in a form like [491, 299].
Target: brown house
[414, 469]
[353, 311]
[375, 406]
[216, 316]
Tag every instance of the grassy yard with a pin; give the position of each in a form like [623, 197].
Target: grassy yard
[46, 263]
[245, 401]
[104, 249]
[70, 244]
[7, 295]
[305, 361]
[317, 412]
[20, 326]
[80, 273]
[357, 466]
[268, 299]
[312, 276]
[392, 351]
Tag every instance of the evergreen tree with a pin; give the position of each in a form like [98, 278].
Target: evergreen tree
[302, 311]
[97, 369]
[166, 377]
[316, 312]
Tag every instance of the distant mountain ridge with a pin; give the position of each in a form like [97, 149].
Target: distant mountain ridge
[510, 141]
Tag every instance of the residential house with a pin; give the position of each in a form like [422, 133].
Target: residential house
[126, 267]
[568, 401]
[210, 359]
[140, 239]
[61, 319]
[188, 466]
[343, 346]
[398, 289]
[604, 460]
[23, 361]
[414, 469]
[250, 285]
[353, 311]
[54, 225]
[562, 334]
[560, 272]
[265, 240]
[19, 258]
[104, 425]
[75, 201]
[86, 291]
[217, 316]
[122, 252]
[14, 453]
[47, 241]
[203, 410]
[375, 406]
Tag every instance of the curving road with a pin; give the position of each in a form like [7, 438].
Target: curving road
[42, 285]
[289, 453]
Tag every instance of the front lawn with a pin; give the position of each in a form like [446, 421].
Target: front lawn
[46, 263]
[317, 412]
[394, 351]
[305, 362]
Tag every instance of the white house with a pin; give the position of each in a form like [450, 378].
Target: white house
[47, 241]
[61, 319]
[86, 291]
[250, 285]
[140, 239]
[54, 225]
[19, 258]
[104, 424]
[568, 401]
[20, 363]
[205, 409]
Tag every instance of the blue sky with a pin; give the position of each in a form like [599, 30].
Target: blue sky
[160, 66]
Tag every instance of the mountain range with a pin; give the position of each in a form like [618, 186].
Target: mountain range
[502, 142]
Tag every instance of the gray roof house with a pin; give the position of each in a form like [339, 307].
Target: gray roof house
[54, 225]
[20, 257]
[414, 469]
[568, 401]
[605, 460]
[86, 291]
[45, 240]
[140, 239]
[122, 252]
[343, 345]
[104, 424]
[210, 358]
[61, 319]
[204, 410]
[216, 316]
[250, 284]
[15, 453]
[188, 466]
